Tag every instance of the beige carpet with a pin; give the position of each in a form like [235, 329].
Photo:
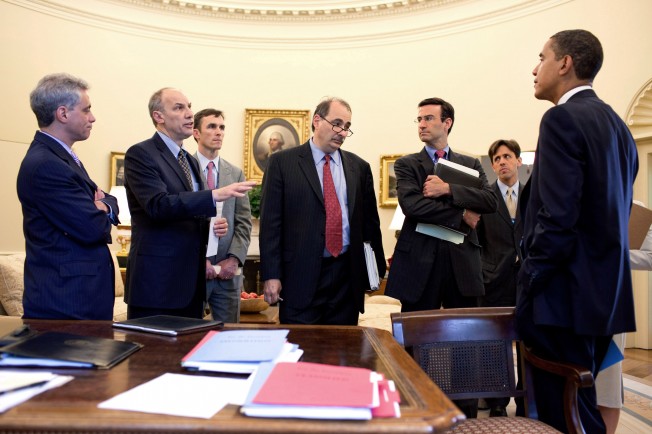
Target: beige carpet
[636, 417]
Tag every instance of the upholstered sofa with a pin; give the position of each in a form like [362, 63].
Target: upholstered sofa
[11, 287]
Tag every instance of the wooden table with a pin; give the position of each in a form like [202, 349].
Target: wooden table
[73, 407]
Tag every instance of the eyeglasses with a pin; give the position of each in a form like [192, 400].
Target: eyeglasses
[427, 118]
[338, 129]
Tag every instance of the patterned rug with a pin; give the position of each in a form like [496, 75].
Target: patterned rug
[636, 416]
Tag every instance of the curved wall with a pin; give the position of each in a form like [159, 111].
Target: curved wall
[477, 56]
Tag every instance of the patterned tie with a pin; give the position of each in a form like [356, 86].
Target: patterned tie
[75, 157]
[511, 204]
[333, 212]
[183, 162]
[439, 153]
[210, 177]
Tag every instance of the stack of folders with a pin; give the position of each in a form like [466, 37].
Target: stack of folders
[372, 267]
[240, 351]
[317, 391]
[452, 173]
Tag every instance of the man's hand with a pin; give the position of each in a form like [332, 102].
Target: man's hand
[229, 267]
[435, 187]
[471, 218]
[237, 189]
[272, 290]
[210, 271]
[99, 195]
[221, 227]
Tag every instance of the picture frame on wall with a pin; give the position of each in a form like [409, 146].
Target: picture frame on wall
[117, 169]
[387, 196]
[269, 131]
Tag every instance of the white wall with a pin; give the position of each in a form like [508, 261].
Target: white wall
[485, 72]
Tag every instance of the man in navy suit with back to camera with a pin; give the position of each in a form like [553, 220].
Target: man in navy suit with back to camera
[69, 272]
[575, 288]
[166, 267]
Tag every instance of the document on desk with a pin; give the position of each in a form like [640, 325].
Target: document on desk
[19, 386]
[181, 395]
[214, 240]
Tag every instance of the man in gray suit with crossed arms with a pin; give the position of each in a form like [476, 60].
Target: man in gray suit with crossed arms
[223, 287]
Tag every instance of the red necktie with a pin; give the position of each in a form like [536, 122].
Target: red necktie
[333, 212]
[440, 153]
[210, 176]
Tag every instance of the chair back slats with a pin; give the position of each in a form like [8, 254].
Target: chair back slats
[469, 353]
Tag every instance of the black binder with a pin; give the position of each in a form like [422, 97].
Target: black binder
[55, 349]
[168, 325]
[452, 175]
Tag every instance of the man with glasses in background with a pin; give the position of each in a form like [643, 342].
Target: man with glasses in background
[428, 272]
[318, 206]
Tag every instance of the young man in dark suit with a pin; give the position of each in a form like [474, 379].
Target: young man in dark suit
[575, 288]
[169, 208]
[318, 207]
[69, 273]
[500, 235]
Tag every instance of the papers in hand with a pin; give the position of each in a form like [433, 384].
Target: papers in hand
[214, 240]
[240, 351]
[318, 391]
[441, 232]
[372, 267]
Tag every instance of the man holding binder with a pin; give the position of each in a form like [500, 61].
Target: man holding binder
[429, 272]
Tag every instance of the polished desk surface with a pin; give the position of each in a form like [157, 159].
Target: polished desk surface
[73, 406]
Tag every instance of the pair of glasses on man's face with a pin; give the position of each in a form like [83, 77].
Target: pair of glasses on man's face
[338, 128]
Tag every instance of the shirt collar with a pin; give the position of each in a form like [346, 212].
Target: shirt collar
[203, 161]
[565, 97]
[172, 146]
[66, 147]
[431, 152]
[318, 154]
[503, 188]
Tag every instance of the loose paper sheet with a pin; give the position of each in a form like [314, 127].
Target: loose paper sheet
[182, 395]
[213, 240]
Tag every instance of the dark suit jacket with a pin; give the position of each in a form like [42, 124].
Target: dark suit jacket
[293, 219]
[576, 270]
[415, 253]
[169, 228]
[69, 272]
[500, 240]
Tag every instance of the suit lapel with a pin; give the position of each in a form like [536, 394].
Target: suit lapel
[224, 174]
[307, 166]
[349, 176]
[58, 150]
[172, 162]
[426, 163]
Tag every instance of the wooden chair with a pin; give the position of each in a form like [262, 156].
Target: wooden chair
[469, 353]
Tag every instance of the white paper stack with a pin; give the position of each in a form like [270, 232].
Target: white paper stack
[372, 267]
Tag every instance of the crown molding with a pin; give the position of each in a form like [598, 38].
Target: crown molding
[639, 114]
[217, 23]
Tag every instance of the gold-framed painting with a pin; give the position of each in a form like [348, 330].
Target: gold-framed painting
[269, 131]
[117, 169]
[387, 196]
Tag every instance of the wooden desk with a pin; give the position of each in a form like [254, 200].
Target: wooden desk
[73, 407]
